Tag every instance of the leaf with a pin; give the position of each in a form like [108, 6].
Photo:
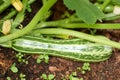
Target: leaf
[85, 10]
[13, 68]
[44, 76]
[50, 77]
[115, 2]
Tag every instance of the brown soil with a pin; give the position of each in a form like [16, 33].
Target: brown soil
[60, 67]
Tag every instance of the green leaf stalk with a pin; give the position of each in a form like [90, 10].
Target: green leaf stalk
[32, 23]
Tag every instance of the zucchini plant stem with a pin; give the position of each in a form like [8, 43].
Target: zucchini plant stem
[8, 16]
[44, 1]
[21, 15]
[78, 25]
[32, 23]
[106, 2]
[5, 5]
[12, 13]
[79, 35]
[31, 1]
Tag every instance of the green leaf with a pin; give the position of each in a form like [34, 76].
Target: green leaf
[86, 66]
[51, 76]
[85, 10]
[38, 60]
[8, 78]
[44, 76]
[46, 57]
[13, 68]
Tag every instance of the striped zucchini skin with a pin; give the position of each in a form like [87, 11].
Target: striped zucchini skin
[76, 49]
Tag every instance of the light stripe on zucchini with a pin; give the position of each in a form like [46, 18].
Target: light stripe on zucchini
[76, 49]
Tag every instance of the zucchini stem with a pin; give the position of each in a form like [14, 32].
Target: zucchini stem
[10, 14]
[20, 16]
[65, 24]
[5, 5]
[79, 35]
[103, 6]
[32, 23]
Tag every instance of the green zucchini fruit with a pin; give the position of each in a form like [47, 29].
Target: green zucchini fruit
[76, 49]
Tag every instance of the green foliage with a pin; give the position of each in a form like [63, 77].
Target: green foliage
[1, 1]
[43, 57]
[73, 76]
[22, 76]
[29, 8]
[85, 67]
[8, 78]
[13, 68]
[115, 2]
[85, 10]
[47, 77]
[93, 31]
[20, 58]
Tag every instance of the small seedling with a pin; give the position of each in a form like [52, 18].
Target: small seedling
[8, 78]
[78, 68]
[83, 72]
[47, 77]
[13, 68]
[73, 76]
[22, 76]
[93, 31]
[29, 8]
[85, 67]
[20, 58]
[43, 57]
[81, 79]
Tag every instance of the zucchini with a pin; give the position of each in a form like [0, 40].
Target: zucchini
[76, 49]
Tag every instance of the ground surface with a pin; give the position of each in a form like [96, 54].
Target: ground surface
[61, 68]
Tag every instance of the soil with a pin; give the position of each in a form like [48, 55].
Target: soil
[60, 67]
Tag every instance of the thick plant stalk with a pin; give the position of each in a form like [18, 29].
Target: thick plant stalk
[5, 5]
[10, 14]
[79, 35]
[31, 25]
[13, 12]
[106, 2]
[19, 17]
[63, 24]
